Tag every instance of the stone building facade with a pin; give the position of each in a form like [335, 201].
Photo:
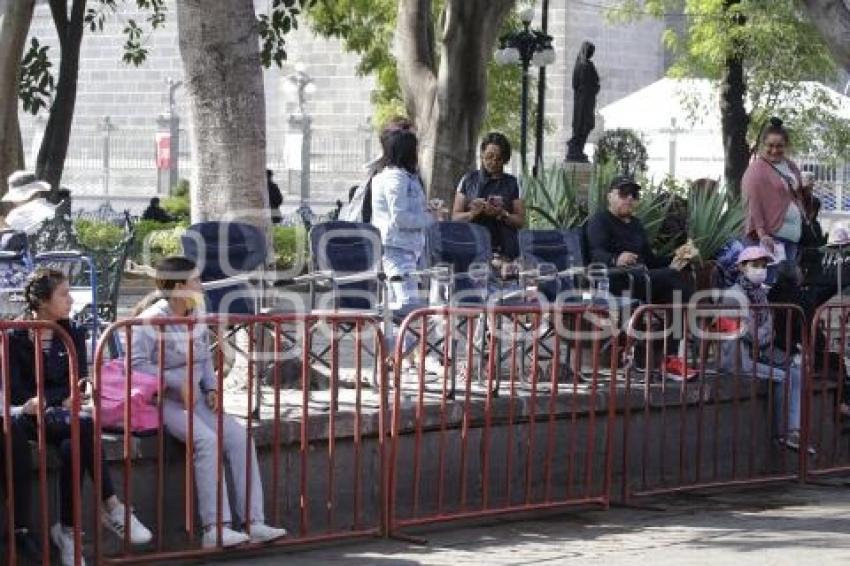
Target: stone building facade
[628, 57]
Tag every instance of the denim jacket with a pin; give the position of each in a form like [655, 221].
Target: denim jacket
[399, 209]
[145, 354]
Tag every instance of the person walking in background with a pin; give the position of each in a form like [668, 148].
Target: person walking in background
[155, 212]
[771, 185]
[275, 198]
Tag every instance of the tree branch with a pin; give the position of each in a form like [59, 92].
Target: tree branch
[59, 13]
[414, 51]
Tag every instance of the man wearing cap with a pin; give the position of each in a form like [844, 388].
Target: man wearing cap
[617, 238]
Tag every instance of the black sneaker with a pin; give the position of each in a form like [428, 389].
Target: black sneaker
[27, 547]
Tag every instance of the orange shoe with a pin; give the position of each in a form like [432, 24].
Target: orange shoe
[676, 369]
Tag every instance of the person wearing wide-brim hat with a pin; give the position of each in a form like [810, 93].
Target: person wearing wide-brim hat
[24, 203]
[23, 187]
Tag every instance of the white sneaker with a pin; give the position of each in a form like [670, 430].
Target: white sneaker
[114, 521]
[63, 538]
[229, 537]
[260, 532]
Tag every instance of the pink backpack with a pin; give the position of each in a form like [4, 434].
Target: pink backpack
[144, 397]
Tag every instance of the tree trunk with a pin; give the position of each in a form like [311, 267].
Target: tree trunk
[832, 18]
[734, 117]
[14, 26]
[224, 82]
[57, 133]
[448, 104]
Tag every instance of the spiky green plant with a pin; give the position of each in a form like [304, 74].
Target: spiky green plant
[714, 218]
[553, 199]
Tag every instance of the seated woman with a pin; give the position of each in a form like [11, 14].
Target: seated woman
[770, 362]
[491, 197]
[179, 293]
[616, 238]
[48, 298]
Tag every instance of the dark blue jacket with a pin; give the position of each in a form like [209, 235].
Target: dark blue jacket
[55, 363]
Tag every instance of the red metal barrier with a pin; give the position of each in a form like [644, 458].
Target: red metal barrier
[715, 428]
[827, 389]
[37, 330]
[302, 487]
[507, 440]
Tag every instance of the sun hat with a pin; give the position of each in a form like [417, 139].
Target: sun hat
[753, 253]
[30, 216]
[23, 186]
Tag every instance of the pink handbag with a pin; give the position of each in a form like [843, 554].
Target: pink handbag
[144, 397]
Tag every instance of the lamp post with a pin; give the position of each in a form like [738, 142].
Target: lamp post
[526, 47]
[303, 85]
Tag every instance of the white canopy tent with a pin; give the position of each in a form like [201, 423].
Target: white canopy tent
[682, 141]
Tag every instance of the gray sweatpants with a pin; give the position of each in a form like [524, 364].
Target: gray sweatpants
[204, 428]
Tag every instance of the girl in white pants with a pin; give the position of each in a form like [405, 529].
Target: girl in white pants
[179, 292]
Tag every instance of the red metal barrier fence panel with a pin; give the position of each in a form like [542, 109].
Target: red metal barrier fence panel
[731, 418]
[27, 426]
[510, 411]
[827, 390]
[318, 423]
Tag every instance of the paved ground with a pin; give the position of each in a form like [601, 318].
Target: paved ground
[773, 526]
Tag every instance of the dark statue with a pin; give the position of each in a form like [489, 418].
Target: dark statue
[585, 89]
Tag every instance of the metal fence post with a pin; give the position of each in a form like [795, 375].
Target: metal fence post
[107, 129]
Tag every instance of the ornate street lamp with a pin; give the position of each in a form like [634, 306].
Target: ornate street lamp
[526, 47]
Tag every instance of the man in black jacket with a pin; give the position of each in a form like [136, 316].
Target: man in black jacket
[616, 238]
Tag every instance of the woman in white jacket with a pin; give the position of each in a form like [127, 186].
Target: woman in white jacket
[402, 215]
[179, 294]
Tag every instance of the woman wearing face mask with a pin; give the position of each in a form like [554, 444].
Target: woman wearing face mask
[48, 297]
[756, 336]
[771, 185]
[179, 294]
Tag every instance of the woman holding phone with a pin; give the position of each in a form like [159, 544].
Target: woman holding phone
[491, 197]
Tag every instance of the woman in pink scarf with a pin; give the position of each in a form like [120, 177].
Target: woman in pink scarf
[771, 184]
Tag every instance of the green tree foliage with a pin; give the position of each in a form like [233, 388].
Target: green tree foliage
[366, 27]
[780, 49]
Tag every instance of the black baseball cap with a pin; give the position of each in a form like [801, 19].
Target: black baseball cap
[625, 185]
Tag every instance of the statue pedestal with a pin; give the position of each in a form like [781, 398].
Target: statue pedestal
[581, 174]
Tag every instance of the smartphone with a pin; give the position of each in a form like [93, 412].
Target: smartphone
[496, 200]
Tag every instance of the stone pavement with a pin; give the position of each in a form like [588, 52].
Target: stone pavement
[779, 525]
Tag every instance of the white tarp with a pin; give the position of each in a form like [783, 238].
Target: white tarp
[681, 141]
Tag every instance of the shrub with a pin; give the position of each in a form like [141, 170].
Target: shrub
[624, 148]
[157, 240]
[98, 235]
[287, 241]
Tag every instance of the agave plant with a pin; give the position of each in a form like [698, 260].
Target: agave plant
[651, 210]
[714, 218]
[553, 199]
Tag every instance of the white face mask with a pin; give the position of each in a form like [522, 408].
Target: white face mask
[756, 275]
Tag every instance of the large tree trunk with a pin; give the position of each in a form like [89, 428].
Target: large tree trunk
[447, 104]
[224, 82]
[57, 133]
[15, 18]
[734, 117]
[832, 18]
